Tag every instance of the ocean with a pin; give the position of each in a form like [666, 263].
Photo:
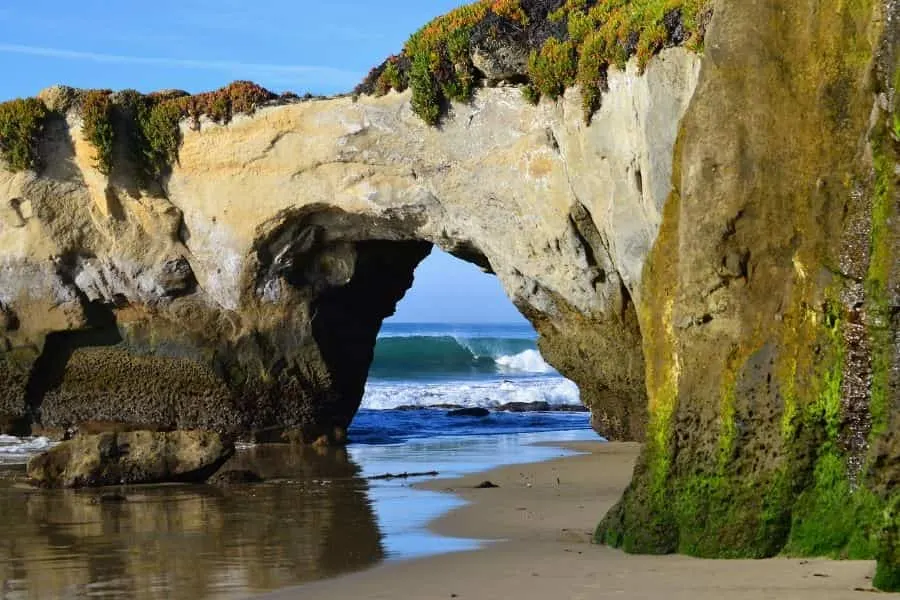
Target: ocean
[423, 371]
[319, 513]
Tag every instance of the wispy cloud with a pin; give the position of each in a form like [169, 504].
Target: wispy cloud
[317, 72]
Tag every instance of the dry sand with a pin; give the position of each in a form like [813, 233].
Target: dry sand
[542, 516]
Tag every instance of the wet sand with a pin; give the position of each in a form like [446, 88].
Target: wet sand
[312, 520]
[541, 518]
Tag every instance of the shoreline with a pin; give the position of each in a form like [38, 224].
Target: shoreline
[537, 527]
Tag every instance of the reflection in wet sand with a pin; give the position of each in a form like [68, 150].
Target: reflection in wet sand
[312, 519]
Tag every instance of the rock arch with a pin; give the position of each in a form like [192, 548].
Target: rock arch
[246, 297]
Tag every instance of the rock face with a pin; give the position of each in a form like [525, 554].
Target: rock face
[714, 260]
[245, 294]
[770, 304]
[130, 458]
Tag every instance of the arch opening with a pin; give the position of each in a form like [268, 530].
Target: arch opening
[457, 357]
[293, 361]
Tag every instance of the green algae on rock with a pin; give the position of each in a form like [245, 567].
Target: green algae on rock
[793, 457]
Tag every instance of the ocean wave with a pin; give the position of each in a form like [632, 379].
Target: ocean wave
[555, 391]
[392, 427]
[19, 450]
[528, 361]
[447, 356]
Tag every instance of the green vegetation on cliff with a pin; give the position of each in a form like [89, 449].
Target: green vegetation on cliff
[887, 574]
[21, 124]
[882, 269]
[566, 41]
[609, 32]
[97, 115]
[149, 126]
[144, 128]
[154, 133]
[832, 516]
[885, 155]
[439, 57]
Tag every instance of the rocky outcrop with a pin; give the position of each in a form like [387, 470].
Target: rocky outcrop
[130, 458]
[770, 303]
[244, 294]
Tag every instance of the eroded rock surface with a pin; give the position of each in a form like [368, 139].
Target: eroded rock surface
[245, 294]
[769, 304]
[130, 458]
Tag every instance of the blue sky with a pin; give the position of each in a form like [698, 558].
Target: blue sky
[196, 45]
[448, 290]
[322, 47]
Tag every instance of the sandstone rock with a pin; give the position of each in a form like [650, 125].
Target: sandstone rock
[130, 458]
[8, 320]
[246, 296]
[500, 62]
[59, 97]
[714, 261]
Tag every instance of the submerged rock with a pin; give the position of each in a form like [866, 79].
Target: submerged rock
[469, 412]
[235, 477]
[130, 458]
[517, 407]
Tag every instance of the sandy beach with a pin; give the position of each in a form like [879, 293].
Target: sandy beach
[540, 519]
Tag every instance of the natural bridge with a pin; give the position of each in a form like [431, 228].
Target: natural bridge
[714, 260]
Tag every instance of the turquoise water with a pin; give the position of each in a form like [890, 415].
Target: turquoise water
[435, 364]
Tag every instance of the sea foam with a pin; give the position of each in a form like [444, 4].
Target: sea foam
[528, 361]
[386, 395]
[18, 450]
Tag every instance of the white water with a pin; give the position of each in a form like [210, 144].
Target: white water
[529, 361]
[14, 450]
[385, 395]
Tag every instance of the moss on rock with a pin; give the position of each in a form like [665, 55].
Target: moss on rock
[773, 423]
[887, 574]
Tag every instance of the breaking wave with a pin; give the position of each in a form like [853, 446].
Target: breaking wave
[448, 357]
